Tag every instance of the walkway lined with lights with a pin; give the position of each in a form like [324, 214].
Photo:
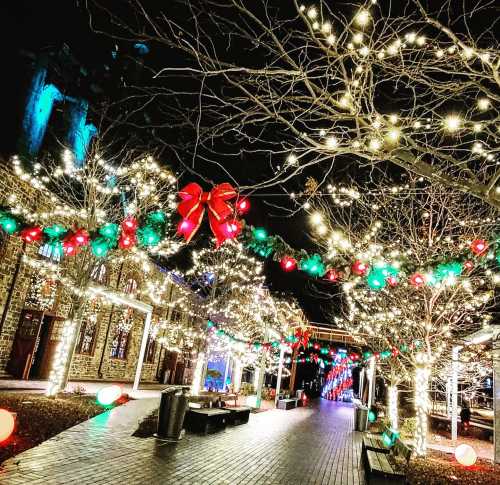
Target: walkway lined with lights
[314, 445]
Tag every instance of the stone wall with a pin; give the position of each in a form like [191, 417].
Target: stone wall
[99, 364]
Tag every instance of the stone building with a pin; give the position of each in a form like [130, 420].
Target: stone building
[33, 309]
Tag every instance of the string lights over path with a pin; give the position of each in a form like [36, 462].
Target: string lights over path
[341, 64]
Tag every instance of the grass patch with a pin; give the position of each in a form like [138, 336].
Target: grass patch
[40, 418]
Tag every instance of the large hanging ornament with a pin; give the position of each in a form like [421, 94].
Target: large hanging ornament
[192, 208]
[479, 247]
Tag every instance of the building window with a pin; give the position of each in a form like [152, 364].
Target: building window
[149, 355]
[99, 274]
[130, 286]
[52, 252]
[119, 344]
[176, 316]
[88, 330]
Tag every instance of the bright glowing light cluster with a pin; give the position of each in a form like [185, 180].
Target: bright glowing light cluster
[61, 356]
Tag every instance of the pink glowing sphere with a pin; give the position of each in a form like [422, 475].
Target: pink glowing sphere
[7, 424]
[465, 455]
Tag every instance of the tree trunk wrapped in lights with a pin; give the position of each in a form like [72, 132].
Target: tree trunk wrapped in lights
[116, 208]
[392, 397]
[422, 402]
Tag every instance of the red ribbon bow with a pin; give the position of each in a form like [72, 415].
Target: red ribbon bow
[221, 216]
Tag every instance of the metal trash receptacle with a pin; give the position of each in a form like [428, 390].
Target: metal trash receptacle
[173, 407]
[360, 418]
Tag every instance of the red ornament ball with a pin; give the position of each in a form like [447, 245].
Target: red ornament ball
[417, 280]
[81, 237]
[70, 247]
[243, 206]
[392, 280]
[469, 265]
[288, 263]
[332, 275]
[359, 268]
[479, 246]
[31, 234]
[126, 241]
[129, 225]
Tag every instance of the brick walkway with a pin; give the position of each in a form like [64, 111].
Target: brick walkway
[303, 446]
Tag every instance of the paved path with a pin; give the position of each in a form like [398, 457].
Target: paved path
[304, 446]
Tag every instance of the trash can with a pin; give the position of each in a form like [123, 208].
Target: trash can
[360, 418]
[173, 407]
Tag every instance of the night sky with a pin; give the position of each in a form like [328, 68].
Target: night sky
[30, 28]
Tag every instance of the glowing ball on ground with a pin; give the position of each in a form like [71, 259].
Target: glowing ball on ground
[6, 424]
[108, 395]
[465, 455]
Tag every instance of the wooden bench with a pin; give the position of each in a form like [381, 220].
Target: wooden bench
[375, 442]
[287, 404]
[379, 470]
[206, 420]
[230, 397]
[238, 415]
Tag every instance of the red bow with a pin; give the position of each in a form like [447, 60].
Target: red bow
[223, 223]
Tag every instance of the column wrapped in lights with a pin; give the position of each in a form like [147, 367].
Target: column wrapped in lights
[238, 374]
[393, 406]
[198, 374]
[422, 402]
[61, 356]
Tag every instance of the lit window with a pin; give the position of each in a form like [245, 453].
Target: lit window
[49, 251]
[131, 286]
[88, 330]
[149, 355]
[99, 273]
[119, 344]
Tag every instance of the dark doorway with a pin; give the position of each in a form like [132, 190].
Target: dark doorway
[33, 346]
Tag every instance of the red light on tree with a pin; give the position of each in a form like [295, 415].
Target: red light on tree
[479, 246]
[31, 234]
[288, 263]
[129, 225]
[359, 268]
[69, 247]
[126, 241]
[417, 280]
[81, 237]
[332, 275]
[243, 206]
[392, 280]
[469, 265]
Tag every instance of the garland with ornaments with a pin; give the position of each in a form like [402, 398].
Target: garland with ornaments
[224, 223]
[378, 275]
[69, 242]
